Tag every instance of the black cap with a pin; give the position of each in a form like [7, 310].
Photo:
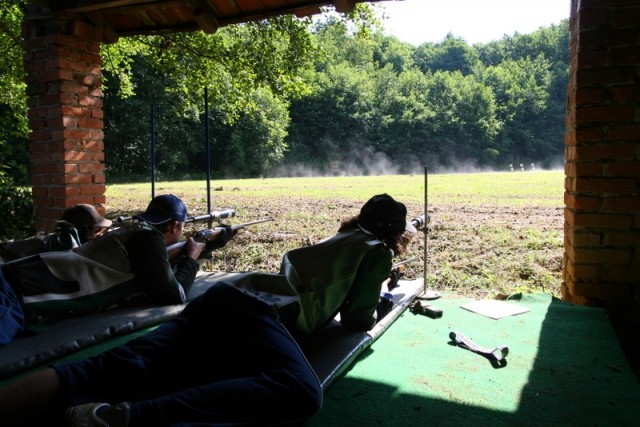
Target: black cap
[383, 212]
[164, 208]
[85, 215]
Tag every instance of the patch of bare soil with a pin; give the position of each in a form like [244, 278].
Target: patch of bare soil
[482, 251]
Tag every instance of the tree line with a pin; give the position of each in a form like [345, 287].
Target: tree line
[290, 96]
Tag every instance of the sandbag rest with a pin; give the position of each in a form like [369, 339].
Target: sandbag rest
[329, 352]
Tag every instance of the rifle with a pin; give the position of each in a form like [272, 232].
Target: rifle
[399, 264]
[397, 272]
[207, 236]
[213, 216]
[420, 221]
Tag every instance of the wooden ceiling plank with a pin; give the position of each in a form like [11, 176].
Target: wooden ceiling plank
[345, 6]
[250, 6]
[225, 7]
[206, 19]
[145, 5]
[109, 34]
[307, 11]
[273, 4]
[91, 6]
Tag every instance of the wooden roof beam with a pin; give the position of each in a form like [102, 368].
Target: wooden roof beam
[345, 6]
[88, 5]
[206, 18]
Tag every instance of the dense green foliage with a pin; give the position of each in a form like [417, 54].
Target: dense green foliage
[16, 204]
[13, 99]
[288, 96]
[442, 104]
[16, 210]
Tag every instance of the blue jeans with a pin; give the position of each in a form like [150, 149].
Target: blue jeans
[12, 319]
[226, 360]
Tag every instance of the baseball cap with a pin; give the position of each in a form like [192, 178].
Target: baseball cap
[164, 208]
[382, 211]
[85, 215]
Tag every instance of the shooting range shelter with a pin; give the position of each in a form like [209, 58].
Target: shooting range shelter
[602, 140]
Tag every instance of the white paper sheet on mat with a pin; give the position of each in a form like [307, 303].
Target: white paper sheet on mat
[495, 309]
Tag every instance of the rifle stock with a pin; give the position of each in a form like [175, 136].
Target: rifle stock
[397, 272]
[207, 235]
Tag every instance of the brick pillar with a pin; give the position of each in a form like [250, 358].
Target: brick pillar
[62, 63]
[602, 150]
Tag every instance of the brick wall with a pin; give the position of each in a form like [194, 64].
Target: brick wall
[602, 143]
[65, 116]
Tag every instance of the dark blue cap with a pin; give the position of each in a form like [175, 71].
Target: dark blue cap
[164, 208]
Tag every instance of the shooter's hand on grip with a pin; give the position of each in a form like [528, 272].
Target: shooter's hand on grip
[394, 277]
[213, 238]
[193, 249]
[226, 233]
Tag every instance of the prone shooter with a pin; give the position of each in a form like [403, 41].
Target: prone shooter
[397, 270]
[213, 237]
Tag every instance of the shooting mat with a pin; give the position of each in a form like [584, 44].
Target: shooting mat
[329, 352]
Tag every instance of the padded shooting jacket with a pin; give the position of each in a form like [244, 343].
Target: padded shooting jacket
[126, 263]
[342, 274]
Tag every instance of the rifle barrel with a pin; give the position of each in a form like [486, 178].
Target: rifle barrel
[406, 261]
[208, 234]
[259, 221]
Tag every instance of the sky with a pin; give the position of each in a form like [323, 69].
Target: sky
[475, 21]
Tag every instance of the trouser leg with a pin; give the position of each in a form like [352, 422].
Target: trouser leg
[226, 360]
[12, 320]
[271, 383]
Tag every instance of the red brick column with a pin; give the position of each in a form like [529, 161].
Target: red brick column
[602, 143]
[65, 116]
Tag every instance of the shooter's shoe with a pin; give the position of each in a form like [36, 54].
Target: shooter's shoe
[98, 415]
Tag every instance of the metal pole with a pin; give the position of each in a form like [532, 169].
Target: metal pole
[426, 231]
[153, 150]
[207, 150]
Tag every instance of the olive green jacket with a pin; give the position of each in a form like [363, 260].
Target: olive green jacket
[342, 274]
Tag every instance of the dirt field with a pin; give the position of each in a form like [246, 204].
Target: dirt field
[490, 250]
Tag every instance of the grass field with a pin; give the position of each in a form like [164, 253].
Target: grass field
[489, 232]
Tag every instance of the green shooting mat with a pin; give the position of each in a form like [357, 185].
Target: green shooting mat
[564, 367]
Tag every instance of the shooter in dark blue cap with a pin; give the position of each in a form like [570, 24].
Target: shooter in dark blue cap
[164, 208]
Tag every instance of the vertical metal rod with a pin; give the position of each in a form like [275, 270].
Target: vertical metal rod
[153, 150]
[207, 150]
[426, 231]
